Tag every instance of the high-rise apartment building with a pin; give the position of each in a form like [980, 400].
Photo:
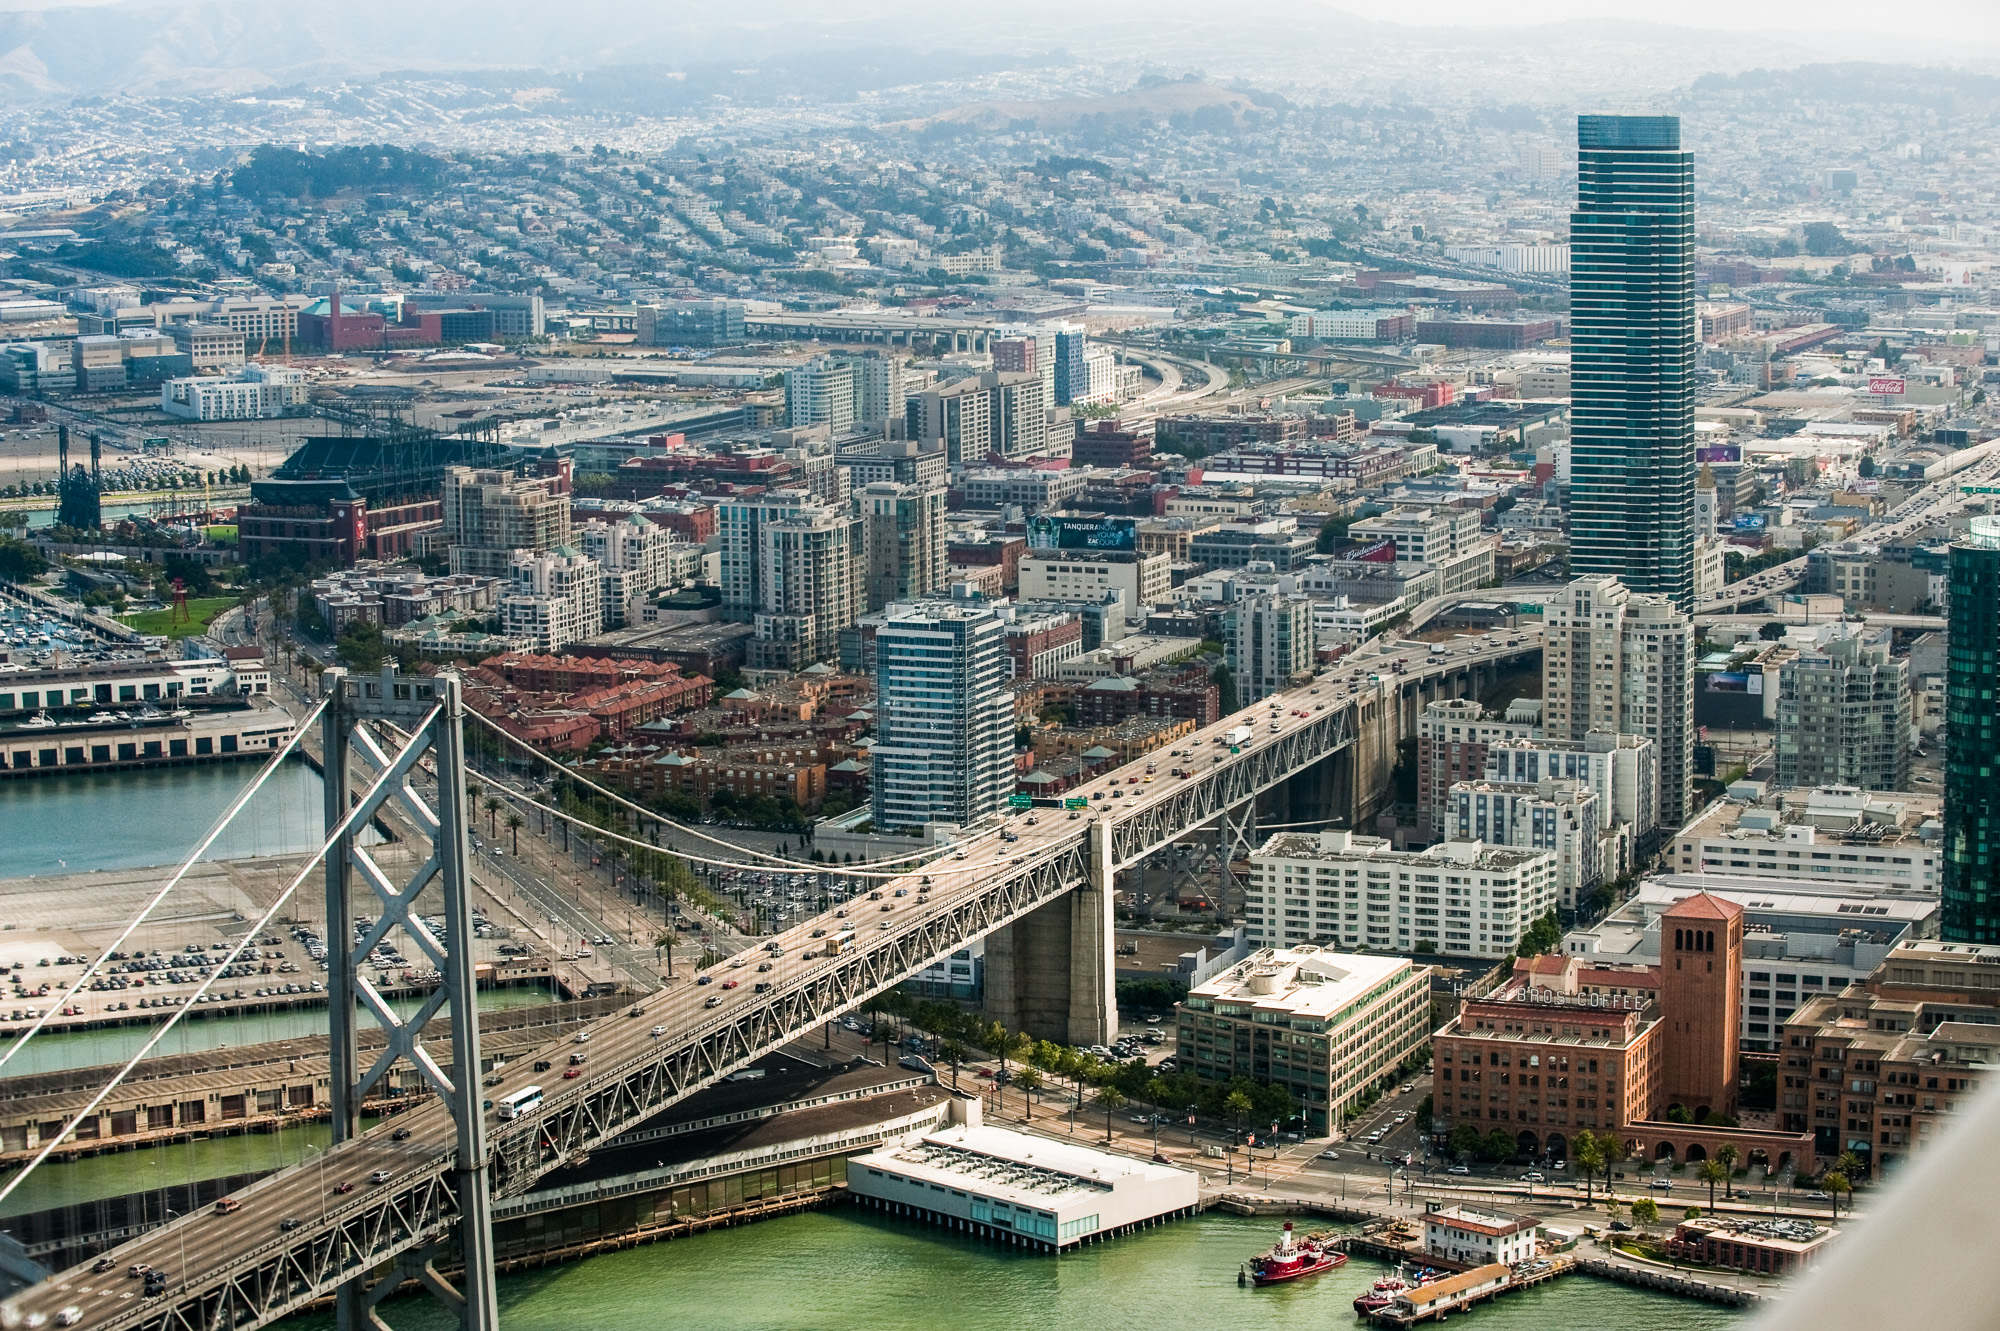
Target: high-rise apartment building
[810, 586]
[1972, 739]
[1017, 417]
[821, 392]
[632, 560]
[903, 534]
[1844, 713]
[739, 530]
[845, 392]
[553, 598]
[1269, 642]
[1452, 739]
[1613, 660]
[1557, 816]
[944, 716]
[1072, 375]
[490, 514]
[1632, 350]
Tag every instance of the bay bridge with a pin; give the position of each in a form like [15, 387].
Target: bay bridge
[380, 1208]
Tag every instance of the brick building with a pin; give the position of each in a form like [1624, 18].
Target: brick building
[1562, 1046]
[1876, 1068]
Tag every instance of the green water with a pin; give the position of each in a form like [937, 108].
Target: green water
[80, 821]
[57, 1051]
[94, 1177]
[853, 1269]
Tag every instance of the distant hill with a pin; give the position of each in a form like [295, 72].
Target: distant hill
[1201, 104]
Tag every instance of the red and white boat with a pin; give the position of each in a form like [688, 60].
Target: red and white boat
[1293, 1257]
[1381, 1296]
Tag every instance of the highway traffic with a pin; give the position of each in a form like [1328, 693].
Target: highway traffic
[397, 1156]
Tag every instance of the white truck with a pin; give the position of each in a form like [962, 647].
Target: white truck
[1236, 736]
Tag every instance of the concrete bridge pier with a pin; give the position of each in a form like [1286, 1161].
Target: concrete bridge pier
[1322, 792]
[1051, 973]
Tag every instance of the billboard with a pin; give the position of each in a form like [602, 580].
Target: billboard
[1718, 453]
[1751, 522]
[1887, 387]
[1382, 552]
[1736, 681]
[1047, 533]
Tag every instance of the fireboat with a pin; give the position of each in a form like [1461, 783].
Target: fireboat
[1291, 1258]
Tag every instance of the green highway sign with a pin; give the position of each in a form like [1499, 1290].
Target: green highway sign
[1019, 802]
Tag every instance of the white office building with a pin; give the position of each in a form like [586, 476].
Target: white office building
[255, 393]
[1340, 889]
[1031, 1192]
[944, 715]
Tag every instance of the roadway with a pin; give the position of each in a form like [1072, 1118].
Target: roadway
[295, 1236]
[1935, 502]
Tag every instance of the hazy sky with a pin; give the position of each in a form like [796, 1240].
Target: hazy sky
[1950, 21]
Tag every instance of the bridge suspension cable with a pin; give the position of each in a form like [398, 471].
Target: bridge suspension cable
[356, 813]
[774, 861]
[92, 969]
[919, 865]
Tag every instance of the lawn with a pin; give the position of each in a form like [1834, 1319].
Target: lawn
[202, 609]
[222, 534]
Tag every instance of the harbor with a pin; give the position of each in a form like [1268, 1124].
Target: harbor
[847, 1266]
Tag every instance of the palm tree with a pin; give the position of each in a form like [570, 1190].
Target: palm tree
[473, 790]
[514, 824]
[1110, 1099]
[1006, 1044]
[953, 1052]
[1834, 1183]
[1728, 1155]
[1712, 1172]
[1589, 1155]
[492, 813]
[1236, 1106]
[1029, 1080]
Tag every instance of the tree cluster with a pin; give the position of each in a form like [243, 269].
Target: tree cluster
[273, 170]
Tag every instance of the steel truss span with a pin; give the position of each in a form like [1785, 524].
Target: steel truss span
[246, 1275]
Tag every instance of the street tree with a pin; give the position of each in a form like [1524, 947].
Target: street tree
[492, 815]
[953, 1052]
[1646, 1211]
[1588, 1153]
[1712, 1172]
[1236, 1106]
[1728, 1155]
[1110, 1099]
[1029, 1079]
[1833, 1183]
[514, 824]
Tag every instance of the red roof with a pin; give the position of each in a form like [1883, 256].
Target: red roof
[243, 653]
[1702, 906]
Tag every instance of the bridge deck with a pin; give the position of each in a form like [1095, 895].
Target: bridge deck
[244, 1269]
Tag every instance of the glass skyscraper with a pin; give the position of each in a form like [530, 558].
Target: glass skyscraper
[1632, 345]
[1972, 739]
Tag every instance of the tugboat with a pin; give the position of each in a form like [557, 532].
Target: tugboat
[1381, 1296]
[1388, 1287]
[1291, 1258]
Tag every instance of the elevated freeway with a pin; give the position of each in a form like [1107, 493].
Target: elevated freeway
[1040, 886]
[1937, 501]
